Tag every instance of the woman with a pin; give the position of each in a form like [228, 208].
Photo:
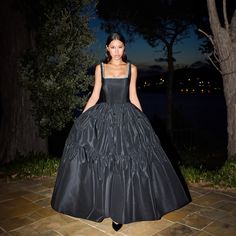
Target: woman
[113, 164]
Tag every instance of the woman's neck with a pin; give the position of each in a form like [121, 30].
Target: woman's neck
[116, 62]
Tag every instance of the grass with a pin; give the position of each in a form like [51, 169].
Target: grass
[39, 164]
[32, 165]
[224, 177]
[208, 168]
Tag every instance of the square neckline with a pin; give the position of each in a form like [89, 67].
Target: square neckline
[115, 78]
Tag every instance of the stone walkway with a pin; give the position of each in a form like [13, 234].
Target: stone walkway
[25, 211]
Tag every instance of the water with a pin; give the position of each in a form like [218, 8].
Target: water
[202, 113]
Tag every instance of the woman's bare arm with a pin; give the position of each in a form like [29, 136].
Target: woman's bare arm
[132, 88]
[96, 89]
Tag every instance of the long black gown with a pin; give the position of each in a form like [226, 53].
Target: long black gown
[113, 164]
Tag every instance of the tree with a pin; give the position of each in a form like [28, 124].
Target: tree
[223, 39]
[56, 69]
[18, 131]
[158, 22]
[21, 24]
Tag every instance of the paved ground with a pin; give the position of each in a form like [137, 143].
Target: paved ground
[25, 211]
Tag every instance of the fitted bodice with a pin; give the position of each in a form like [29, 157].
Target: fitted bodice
[115, 90]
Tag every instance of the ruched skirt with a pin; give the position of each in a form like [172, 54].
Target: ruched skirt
[113, 165]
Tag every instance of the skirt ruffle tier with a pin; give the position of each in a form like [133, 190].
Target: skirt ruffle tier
[113, 165]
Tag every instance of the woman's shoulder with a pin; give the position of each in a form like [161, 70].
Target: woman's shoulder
[98, 69]
[98, 66]
[133, 67]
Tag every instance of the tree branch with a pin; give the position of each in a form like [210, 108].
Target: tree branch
[213, 63]
[214, 54]
[207, 35]
[226, 22]
[213, 16]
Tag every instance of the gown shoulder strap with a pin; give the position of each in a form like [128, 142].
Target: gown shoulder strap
[102, 69]
[129, 69]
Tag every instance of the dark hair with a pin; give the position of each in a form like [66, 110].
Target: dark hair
[111, 37]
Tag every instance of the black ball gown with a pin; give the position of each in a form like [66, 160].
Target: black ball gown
[113, 164]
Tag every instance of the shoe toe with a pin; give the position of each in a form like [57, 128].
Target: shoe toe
[115, 226]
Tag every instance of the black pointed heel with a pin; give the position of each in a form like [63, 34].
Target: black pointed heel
[115, 226]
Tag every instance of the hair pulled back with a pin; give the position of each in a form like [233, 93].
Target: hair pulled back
[110, 38]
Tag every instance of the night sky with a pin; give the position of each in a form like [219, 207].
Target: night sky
[140, 53]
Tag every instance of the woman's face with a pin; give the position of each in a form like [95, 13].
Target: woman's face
[116, 49]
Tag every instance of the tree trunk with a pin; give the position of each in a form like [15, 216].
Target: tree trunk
[18, 131]
[225, 45]
[170, 91]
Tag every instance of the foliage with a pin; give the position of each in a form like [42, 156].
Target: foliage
[32, 165]
[164, 22]
[222, 177]
[55, 70]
